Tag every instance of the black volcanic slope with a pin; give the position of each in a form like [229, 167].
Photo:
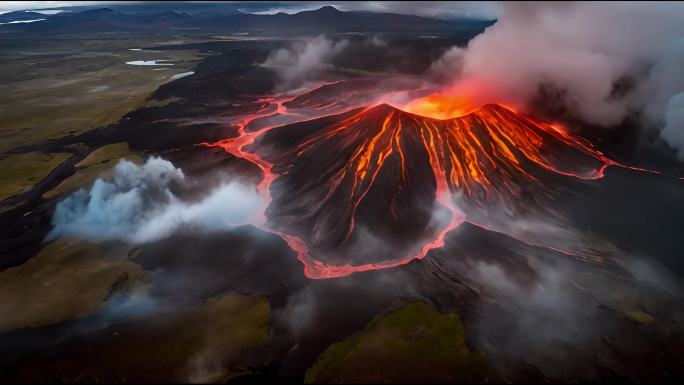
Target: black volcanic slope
[375, 176]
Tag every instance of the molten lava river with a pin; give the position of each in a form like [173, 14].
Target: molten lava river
[352, 188]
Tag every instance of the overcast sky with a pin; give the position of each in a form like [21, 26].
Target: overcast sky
[438, 9]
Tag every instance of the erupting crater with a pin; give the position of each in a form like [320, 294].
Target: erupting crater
[375, 187]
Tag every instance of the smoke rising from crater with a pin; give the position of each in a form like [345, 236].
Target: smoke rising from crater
[605, 61]
[137, 204]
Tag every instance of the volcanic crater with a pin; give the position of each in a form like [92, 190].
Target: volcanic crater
[376, 187]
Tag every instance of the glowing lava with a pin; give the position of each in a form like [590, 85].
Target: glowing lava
[440, 106]
[489, 155]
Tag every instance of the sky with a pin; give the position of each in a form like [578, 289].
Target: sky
[436, 9]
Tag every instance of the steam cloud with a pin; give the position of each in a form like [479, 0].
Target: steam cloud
[603, 61]
[137, 204]
[304, 58]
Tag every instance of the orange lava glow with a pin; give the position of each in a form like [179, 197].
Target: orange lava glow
[440, 106]
[479, 155]
[480, 152]
[460, 99]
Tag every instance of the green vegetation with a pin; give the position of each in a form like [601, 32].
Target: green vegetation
[640, 316]
[206, 344]
[64, 281]
[409, 345]
[106, 153]
[89, 86]
[93, 166]
[234, 326]
[20, 172]
[209, 343]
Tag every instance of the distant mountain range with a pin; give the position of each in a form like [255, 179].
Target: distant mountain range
[20, 16]
[327, 19]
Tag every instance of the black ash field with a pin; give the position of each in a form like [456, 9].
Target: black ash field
[192, 193]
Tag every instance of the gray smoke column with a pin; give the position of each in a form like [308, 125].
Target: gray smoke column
[136, 204]
[606, 60]
[304, 58]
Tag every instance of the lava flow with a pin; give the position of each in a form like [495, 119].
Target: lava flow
[343, 182]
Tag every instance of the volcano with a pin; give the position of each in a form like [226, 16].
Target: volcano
[377, 186]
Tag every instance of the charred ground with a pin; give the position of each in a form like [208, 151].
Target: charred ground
[498, 284]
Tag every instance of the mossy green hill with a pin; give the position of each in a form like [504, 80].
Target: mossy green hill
[409, 345]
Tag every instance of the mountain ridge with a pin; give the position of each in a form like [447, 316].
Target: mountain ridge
[326, 19]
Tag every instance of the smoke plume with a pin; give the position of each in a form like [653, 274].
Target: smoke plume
[137, 204]
[304, 58]
[603, 61]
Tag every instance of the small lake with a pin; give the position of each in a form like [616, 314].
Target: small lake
[149, 63]
[22, 21]
[182, 75]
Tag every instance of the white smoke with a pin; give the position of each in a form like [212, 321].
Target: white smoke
[450, 64]
[583, 49]
[136, 204]
[377, 41]
[304, 58]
